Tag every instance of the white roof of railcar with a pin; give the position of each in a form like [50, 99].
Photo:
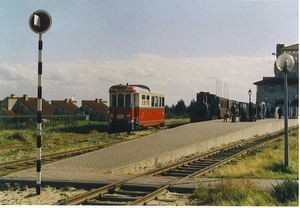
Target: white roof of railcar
[133, 88]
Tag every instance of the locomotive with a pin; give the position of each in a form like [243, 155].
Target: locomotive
[209, 106]
[133, 107]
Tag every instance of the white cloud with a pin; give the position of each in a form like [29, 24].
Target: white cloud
[176, 78]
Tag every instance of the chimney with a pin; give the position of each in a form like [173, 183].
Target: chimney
[12, 95]
[97, 100]
[66, 100]
[279, 46]
[25, 97]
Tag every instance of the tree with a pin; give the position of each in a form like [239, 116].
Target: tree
[180, 108]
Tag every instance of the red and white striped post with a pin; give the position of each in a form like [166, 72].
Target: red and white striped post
[39, 22]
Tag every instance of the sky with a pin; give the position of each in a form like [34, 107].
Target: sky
[175, 47]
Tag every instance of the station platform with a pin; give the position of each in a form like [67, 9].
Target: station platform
[114, 163]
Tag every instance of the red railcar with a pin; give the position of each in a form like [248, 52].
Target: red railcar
[134, 106]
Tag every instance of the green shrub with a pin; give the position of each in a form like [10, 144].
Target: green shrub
[203, 194]
[18, 136]
[287, 191]
[294, 133]
[281, 168]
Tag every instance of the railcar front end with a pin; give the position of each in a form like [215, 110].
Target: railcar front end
[133, 107]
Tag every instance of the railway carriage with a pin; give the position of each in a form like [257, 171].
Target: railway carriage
[209, 106]
[133, 107]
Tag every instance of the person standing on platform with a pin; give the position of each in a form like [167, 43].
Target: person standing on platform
[233, 111]
[226, 116]
[279, 112]
[263, 111]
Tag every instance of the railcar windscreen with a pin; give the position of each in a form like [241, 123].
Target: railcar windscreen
[128, 100]
[120, 100]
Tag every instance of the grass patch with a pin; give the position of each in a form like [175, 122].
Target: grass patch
[232, 193]
[264, 163]
[287, 192]
[267, 163]
[172, 123]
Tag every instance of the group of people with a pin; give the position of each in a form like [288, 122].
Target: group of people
[233, 114]
[263, 112]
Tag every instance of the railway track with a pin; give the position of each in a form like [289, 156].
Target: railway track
[120, 193]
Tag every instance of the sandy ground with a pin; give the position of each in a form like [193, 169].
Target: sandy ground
[50, 196]
[28, 196]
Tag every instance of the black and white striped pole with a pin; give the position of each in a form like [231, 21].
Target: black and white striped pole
[39, 22]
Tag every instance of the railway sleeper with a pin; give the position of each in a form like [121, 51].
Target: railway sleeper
[118, 198]
[204, 163]
[209, 160]
[200, 166]
[177, 174]
[97, 202]
[132, 193]
[188, 168]
[139, 187]
[177, 170]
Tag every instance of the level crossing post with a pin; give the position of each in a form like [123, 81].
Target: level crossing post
[39, 22]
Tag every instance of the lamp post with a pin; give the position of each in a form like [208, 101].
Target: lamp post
[266, 98]
[249, 93]
[285, 63]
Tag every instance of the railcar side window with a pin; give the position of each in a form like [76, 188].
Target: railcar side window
[143, 99]
[157, 101]
[152, 101]
[148, 100]
[120, 100]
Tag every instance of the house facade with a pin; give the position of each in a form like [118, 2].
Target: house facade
[97, 109]
[25, 105]
[64, 107]
[270, 90]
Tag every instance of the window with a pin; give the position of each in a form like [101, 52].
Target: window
[272, 88]
[146, 100]
[163, 101]
[128, 102]
[113, 100]
[266, 88]
[120, 100]
[152, 101]
[295, 89]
